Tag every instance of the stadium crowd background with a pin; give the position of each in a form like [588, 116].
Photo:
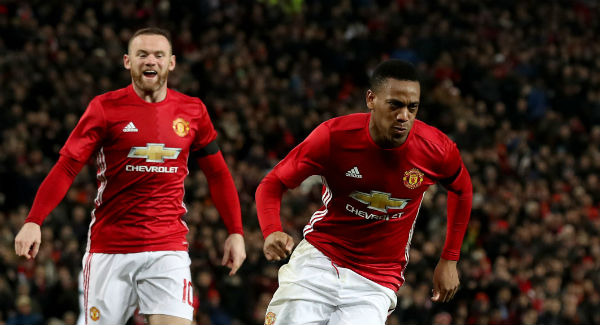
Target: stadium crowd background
[515, 83]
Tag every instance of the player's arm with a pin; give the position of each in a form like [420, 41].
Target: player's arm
[51, 192]
[226, 200]
[82, 143]
[307, 159]
[460, 196]
[278, 244]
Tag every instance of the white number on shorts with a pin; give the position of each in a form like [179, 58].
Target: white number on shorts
[188, 294]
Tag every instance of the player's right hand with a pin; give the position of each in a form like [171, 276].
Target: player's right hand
[278, 245]
[28, 240]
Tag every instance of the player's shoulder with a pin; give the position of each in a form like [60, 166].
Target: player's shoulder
[347, 123]
[183, 98]
[193, 105]
[431, 135]
[111, 97]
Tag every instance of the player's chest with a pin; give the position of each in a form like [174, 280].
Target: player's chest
[138, 127]
[378, 174]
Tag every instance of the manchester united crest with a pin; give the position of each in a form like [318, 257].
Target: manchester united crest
[413, 178]
[181, 127]
[94, 314]
[270, 318]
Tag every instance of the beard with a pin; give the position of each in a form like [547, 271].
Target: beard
[149, 85]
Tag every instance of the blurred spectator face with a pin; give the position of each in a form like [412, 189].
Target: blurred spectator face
[149, 60]
[24, 305]
[393, 107]
[442, 318]
[70, 318]
[529, 317]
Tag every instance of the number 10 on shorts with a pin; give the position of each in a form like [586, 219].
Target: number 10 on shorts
[188, 292]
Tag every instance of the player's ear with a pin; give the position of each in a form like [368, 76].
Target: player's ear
[172, 63]
[370, 99]
[126, 62]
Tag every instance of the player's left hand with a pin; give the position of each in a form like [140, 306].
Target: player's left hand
[445, 281]
[234, 252]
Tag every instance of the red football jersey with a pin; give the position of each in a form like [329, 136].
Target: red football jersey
[371, 195]
[141, 151]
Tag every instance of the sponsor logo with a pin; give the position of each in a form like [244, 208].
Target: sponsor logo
[379, 201]
[154, 152]
[130, 128]
[270, 318]
[413, 178]
[354, 173]
[181, 127]
[151, 169]
[372, 216]
[94, 314]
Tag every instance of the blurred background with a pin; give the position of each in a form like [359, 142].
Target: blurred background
[515, 83]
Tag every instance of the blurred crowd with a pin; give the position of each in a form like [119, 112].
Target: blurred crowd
[515, 83]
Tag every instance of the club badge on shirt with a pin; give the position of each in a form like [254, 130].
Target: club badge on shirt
[181, 127]
[270, 318]
[94, 313]
[413, 178]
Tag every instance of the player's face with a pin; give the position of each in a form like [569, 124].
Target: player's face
[149, 60]
[393, 106]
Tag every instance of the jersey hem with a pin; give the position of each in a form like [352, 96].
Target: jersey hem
[122, 250]
[388, 285]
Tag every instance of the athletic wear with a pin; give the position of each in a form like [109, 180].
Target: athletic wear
[371, 196]
[115, 284]
[141, 150]
[312, 290]
[137, 247]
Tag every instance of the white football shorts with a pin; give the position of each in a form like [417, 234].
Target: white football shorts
[114, 285]
[312, 290]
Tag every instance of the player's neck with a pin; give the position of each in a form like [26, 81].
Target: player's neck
[390, 143]
[151, 96]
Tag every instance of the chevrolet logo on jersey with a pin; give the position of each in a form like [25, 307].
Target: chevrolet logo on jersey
[379, 201]
[154, 152]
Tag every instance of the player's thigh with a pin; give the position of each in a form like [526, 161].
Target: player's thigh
[307, 289]
[311, 269]
[369, 310]
[165, 285]
[298, 311]
[108, 290]
[362, 301]
[167, 320]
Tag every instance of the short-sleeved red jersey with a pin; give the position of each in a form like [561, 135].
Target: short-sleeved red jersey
[371, 195]
[141, 151]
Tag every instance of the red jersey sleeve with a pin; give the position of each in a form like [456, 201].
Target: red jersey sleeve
[223, 191]
[306, 159]
[268, 204]
[451, 162]
[460, 197]
[206, 132]
[87, 136]
[53, 188]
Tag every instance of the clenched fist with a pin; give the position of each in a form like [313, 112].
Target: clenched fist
[278, 245]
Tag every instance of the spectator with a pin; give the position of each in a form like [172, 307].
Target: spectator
[25, 315]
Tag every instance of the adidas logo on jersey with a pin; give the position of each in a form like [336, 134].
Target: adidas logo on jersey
[130, 128]
[354, 173]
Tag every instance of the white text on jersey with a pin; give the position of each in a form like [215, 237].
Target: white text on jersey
[372, 216]
[151, 169]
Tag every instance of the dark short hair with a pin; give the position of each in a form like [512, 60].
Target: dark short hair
[151, 31]
[395, 69]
